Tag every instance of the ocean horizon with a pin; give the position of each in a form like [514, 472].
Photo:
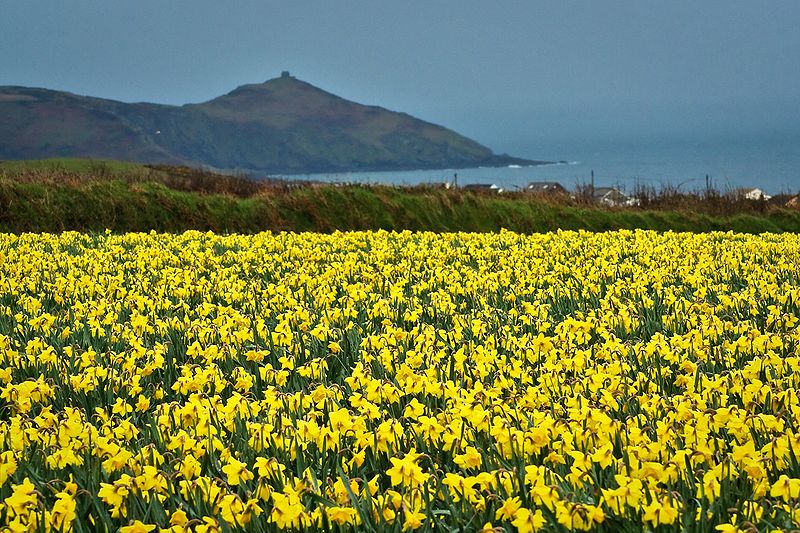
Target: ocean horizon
[769, 161]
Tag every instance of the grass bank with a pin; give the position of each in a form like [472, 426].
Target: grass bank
[96, 196]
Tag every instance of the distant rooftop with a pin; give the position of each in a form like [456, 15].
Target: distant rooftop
[480, 186]
[546, 187]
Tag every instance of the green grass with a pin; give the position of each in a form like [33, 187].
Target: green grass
[94, 195]
[142, 206]
[71, 164]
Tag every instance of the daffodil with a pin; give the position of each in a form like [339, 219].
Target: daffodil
[527, 521]
[406, 471]
[237, 472]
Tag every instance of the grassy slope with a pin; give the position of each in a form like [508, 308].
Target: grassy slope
[125, 205]
[69, 164]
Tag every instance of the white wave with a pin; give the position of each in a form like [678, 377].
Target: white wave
[560, 163]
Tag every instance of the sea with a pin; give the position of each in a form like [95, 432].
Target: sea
[769, 161]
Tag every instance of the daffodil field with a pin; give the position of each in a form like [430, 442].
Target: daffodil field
[621, 381]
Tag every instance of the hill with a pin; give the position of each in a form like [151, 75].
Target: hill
[281, 126]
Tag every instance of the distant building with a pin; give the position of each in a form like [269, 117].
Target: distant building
[612, 197]
[546, 188]
[752, 193]
[483, 187]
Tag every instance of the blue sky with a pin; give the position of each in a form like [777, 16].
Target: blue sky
[497, 71]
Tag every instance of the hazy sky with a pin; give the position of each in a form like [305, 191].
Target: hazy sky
[501, 72]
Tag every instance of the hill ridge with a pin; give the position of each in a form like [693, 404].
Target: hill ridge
[283, 126]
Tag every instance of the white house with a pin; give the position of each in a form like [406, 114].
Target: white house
[613, 197]
[754, 194]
